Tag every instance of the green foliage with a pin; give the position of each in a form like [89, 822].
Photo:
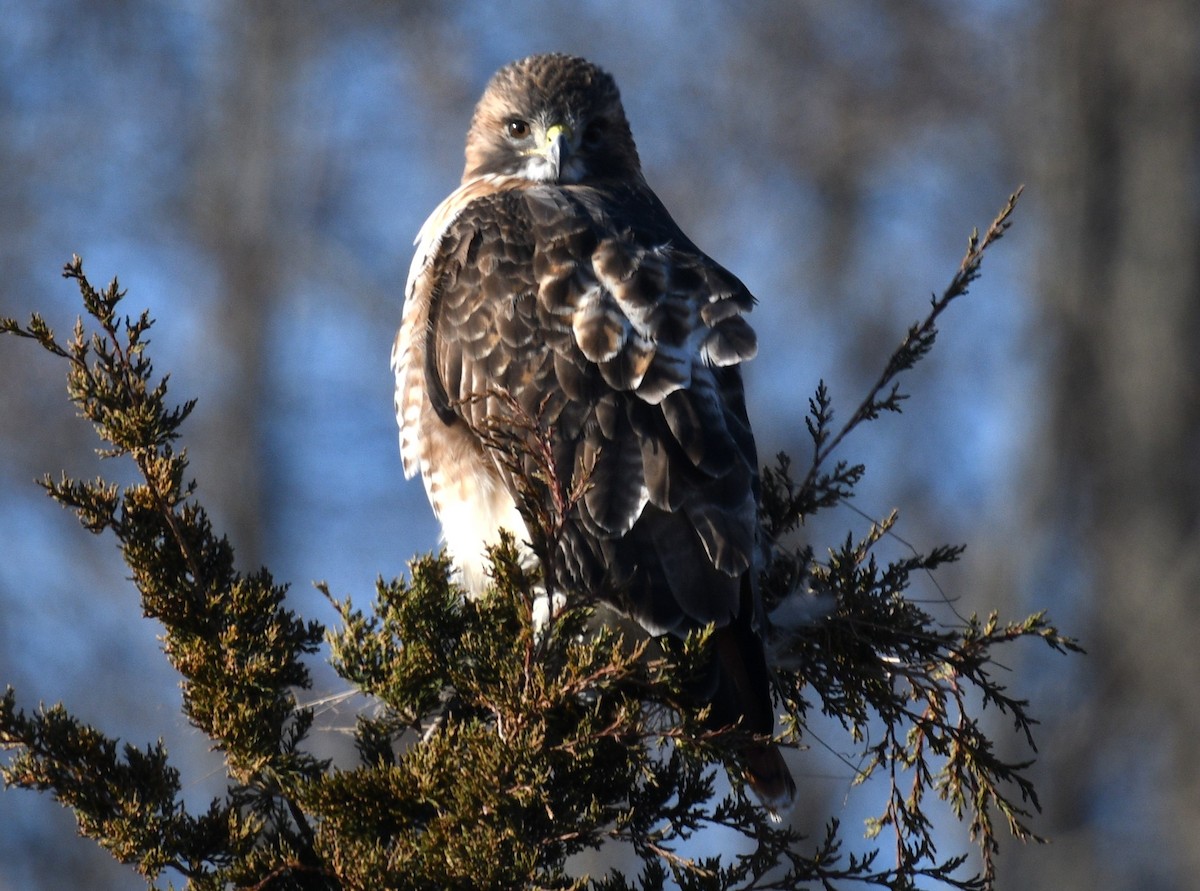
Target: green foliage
[229, 636]
[496, 750]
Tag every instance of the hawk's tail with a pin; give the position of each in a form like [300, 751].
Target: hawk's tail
[744, 694]
[768, 776]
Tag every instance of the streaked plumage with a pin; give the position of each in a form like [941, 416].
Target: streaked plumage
[553, 284]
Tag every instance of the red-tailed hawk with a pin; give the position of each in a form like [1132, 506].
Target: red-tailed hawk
[553, 284]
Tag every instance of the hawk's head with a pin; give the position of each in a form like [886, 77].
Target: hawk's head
[552, 118]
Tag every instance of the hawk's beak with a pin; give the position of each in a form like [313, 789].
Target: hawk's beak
[557, 147]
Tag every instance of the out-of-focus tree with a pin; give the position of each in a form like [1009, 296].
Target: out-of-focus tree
[1116, 105]
[243, 176]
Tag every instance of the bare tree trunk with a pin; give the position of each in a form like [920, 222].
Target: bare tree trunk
[242, 178]
[1121, 282]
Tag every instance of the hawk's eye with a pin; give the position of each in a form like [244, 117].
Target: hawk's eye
[517, 129]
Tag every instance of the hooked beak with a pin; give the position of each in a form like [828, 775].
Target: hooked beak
[556, 149]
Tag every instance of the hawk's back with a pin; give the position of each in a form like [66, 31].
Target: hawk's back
[567, 352]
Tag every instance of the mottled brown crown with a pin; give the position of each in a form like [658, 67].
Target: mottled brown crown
[550, 89]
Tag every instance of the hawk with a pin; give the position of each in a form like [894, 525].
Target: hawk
[553, 284]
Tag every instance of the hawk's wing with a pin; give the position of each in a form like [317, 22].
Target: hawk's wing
[588, 310]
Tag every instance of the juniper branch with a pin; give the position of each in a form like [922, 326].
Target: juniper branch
[491, 755]
[819, 489]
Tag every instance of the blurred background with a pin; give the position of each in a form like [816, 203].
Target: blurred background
[255, 173]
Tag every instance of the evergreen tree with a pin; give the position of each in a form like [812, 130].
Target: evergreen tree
[498, 749]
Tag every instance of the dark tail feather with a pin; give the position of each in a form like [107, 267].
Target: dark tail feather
[744, 693]
[768, 776]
